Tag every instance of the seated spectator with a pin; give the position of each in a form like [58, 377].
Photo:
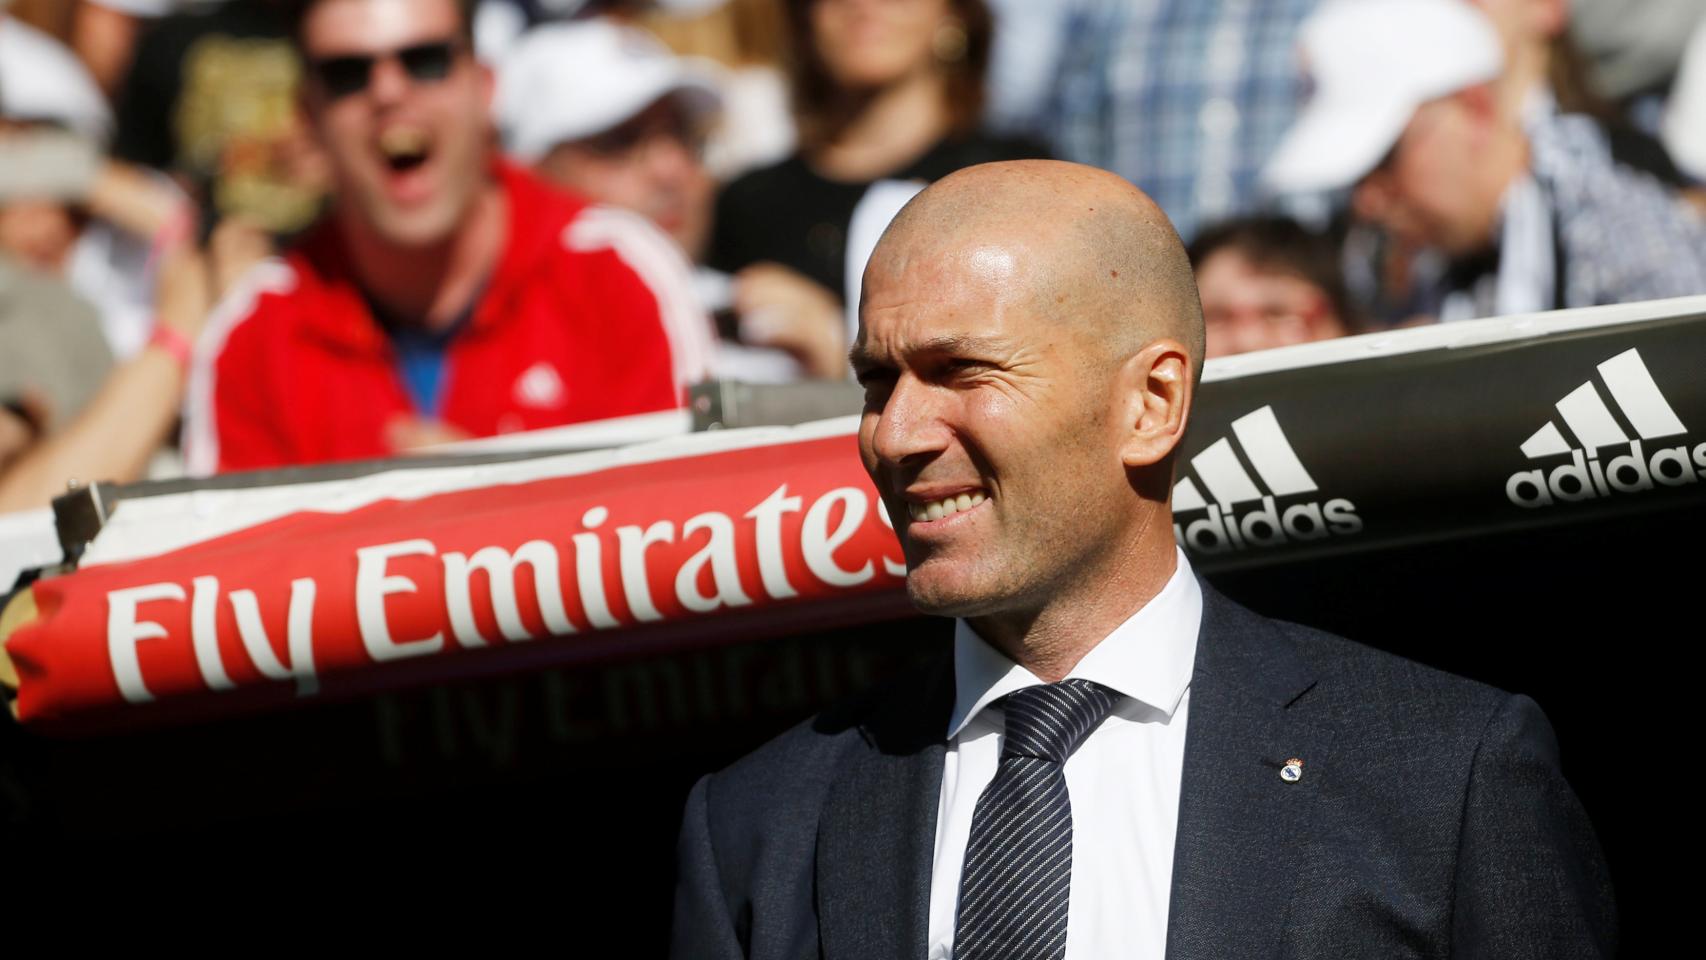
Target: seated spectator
[1530, 205]
[607, 111]
[65, 209]
[1268, 282]
[447, 293]
[882, 91]
[125, 424]
[52, 355]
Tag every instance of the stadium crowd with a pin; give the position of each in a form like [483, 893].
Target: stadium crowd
[240, 234]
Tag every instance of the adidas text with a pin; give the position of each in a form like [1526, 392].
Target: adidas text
[1586, 478]
[1268, 526]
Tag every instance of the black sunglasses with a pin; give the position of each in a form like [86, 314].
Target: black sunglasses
[423, 62]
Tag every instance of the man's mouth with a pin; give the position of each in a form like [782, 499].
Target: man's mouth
[945, 507]
[405, 148]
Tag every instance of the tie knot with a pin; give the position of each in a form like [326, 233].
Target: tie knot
[1049, 720]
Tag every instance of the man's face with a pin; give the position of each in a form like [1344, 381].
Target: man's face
[649, 164]
[988, 432]
[1430, 191]
[398, 102]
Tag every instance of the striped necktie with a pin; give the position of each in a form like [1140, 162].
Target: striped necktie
[1018, 867]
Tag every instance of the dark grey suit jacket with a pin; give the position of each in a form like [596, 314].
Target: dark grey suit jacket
[1431, 820]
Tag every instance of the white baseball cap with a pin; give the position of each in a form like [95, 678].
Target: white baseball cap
[567, 81]
[42, 80]
[1373, 62]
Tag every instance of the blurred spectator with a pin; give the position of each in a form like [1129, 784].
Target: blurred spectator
[447, 293]
[1633, 47]
[105, 33]
[883, 90]
[67, 211]
[126, 422]
[1268, 282]
[607, 111]
[1530, 205]
[1684, 129]
[52, 354]
[604, 109]
[211, 97]
[1185, 98]
[747, 39]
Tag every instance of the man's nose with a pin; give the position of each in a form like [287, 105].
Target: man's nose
[389, 82]
[910, 426]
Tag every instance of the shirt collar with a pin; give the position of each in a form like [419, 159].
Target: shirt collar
[1148, 658]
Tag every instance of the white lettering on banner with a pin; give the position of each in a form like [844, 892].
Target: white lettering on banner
[1587, 415]
[124, 632]
[500, 567]
[819, 545]
[768, 515]
[204, 632]
[631, 557]
[829, 523]
[589, 571]
[299, 633]
[719, 552]
[373, 585]
[1584, 478]
[1243, 511]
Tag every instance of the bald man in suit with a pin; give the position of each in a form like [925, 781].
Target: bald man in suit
[1116, 760]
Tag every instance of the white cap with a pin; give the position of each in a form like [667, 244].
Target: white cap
[567, 81]
[41, 80]
[1373, 62]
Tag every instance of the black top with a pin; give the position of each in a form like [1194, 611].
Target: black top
[791, 214]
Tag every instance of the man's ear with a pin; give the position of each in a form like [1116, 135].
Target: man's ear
[488, 85]
[1156, 382]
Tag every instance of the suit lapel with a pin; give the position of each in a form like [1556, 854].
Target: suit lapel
[1240, 823]
[877, 836]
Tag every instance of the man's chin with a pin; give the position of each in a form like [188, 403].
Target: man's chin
[944, 596]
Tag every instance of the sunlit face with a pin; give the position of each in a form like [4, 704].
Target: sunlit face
[1248, 308]
[1432, 191]
[409, 149]
[649, 164]
[871, 43]
[977, 398]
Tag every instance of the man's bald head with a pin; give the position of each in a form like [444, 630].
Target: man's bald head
[1093, 249]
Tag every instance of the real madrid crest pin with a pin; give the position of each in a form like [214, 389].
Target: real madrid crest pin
[1292, 771]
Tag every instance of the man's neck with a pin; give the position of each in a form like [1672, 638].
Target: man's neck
[1050, 640]
[434, 284]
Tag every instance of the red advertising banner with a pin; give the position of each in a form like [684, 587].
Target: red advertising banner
[598, 565]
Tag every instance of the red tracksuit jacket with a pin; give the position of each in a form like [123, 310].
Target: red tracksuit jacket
[589, 314]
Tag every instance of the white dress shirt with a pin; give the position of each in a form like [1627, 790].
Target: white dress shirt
[1123, 779]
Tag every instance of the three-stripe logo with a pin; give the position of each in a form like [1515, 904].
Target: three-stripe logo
[1242, 511]
[1591, 422]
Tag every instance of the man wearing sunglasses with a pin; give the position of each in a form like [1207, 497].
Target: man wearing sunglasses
[446, 292]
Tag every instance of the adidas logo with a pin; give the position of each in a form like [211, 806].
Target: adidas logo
[1241, 514]
[1645, 412]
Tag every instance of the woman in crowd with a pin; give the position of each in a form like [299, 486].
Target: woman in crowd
[883, 90]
